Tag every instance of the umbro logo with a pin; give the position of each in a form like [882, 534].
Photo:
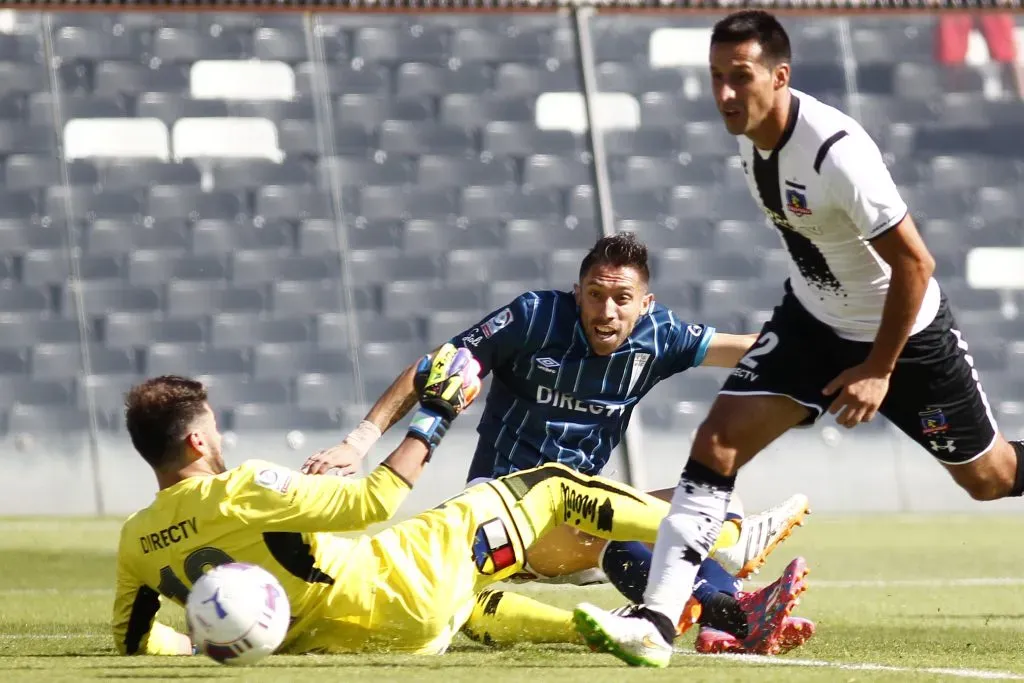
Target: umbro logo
[548, 364]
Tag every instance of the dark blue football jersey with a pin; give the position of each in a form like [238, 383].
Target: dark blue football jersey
[551, 398]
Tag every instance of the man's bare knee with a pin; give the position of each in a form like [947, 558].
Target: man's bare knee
[711, 447]
[990, 477]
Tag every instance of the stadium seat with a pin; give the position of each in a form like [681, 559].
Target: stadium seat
[115, 78]
[438, 236]
[59, 361]
[387, 359]
[276, 44]
[246, 138]
[286, 361]
[739, 237]
[328, 390]
[509, 204]
[193, 298]
[107, 392]
[187, 45]
[539, 237]
[244, 330]
[338, 79]
[248, 174]
[466, 266]
[416, 138]
[354, 171]
[233, 390]
[695, 234]
[446, 171]
[332, 329]
[116, 138]
[175, 202]
[191, 360]
[251, 417]
[369, 110]
[310, 298]
[157, 267]
[134, 174]
[168, 107]
[211, 236]
[135, 330]
[416, 299]
[506, 138]
[386, 46]
[384, 202]
[542, 171]
[101, 298]
[443, 325]
[416, 79]
[42, 110]
[44, 420]
[474, 45]
[121, 236]
[42, 267]
[292, 203]
[255, 267]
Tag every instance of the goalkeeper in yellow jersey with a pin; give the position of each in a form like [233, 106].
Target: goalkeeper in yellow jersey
[409, 588]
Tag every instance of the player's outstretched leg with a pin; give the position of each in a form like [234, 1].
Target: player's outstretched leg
[544, 497]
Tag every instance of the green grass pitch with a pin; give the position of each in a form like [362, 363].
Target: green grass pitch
[895, 598]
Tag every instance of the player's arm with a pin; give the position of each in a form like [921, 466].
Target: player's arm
[725, 350]
[491, 342]
[134, 625]
[277, 499]
[859, 182]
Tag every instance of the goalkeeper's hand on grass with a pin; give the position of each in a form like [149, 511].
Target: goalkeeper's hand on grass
[445, 385]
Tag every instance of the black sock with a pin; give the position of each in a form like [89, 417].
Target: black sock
[1018, 481]
[724, 613]
[664, 625]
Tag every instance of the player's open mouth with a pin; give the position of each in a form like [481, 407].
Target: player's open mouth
[604, 333]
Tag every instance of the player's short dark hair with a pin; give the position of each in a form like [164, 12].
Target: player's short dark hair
[620, 249]
[159, 414]
[755, 24]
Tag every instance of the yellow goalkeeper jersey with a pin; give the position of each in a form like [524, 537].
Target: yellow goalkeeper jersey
[258, 513]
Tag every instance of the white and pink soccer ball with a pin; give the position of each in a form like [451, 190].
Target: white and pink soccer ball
[237, 614]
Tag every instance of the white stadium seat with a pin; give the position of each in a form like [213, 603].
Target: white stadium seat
[226, 79]
[217, 137]
[679, 47]
[996, 268]
[120, 138]
[566, 111]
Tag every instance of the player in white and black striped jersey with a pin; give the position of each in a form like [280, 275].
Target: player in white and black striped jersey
[862, 328]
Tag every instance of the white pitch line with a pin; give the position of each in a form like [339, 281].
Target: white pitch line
[46, 636]
[866, 666]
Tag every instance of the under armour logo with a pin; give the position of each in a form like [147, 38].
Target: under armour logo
[949, 446]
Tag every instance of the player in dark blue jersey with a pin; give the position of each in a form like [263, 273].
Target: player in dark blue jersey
[569, 368]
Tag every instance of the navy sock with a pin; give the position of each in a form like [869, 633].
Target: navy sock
[627, 564]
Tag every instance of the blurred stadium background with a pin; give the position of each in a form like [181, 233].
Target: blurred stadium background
[296, 206]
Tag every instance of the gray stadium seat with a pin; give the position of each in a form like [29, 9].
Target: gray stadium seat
[386, 234]
[23, 330]
[476, 111]
[58, 361]
[446, 171]
[692, 265]
[251, 417]
[49, 267]
[668, 109]
[966, 298]
[332, 329]
[286, 361]
[133, 174]
[644, 142]
[171, 106]
[484, 265]
[87, 204]
[158, 267]
[997, 204]
[416, 79]
[19, 236]
[658, 235]
[292, 203]
[506, 138]
[708, 138]
[392, 46]
[287, 46]
[107, 392]
[443, 325]
[232, 390]
[542, 171]
[194, 359]
[370, 79]
[382, 202]
[243, 330]
[14, 361]
[637, 204]
[222, 237]
[23, 419]
[252, 267]
[186, 45]
[301, 108]
[369, 111]
[17, 205]
[20, 299]
[739, 237]
[248, 174]
[329, 390]
[968, 172]
[355, 171]
[114, 78]
[116, 236]
[927, 203]
[18, 77]
[539, 237]
[177, 202]
[193, 298]
[509, 204]
[135, 330]
[438, 236]
[388, 359]
[473, 45]
[24, 138]
[645, 173]
[41, 109]
[500, 293]
[101, 298]
[636, 79]
[416, 298]
[30, 172]
[724, 297]
[420, 137]
[310, 298]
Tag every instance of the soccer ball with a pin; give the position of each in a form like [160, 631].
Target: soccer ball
[237, 614]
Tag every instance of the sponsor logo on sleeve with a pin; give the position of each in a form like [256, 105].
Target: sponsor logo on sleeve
[497, 322]
[274, 479]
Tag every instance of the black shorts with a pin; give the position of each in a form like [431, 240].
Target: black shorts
[934, 396]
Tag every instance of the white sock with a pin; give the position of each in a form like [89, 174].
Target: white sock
[685, 538]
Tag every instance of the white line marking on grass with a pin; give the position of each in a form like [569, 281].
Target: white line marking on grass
[864, 666]
[55, 591]
[46, 636]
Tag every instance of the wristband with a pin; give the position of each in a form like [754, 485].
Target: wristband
[428, 427]
[363, 437]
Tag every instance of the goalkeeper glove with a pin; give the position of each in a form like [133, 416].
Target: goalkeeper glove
[445, 384]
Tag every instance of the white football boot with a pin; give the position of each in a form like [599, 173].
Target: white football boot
[633, 639]
[760, 534]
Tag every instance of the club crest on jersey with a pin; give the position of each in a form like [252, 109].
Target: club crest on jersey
[497, 322]
[933, 421]
[796, 199]
[492, 547]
